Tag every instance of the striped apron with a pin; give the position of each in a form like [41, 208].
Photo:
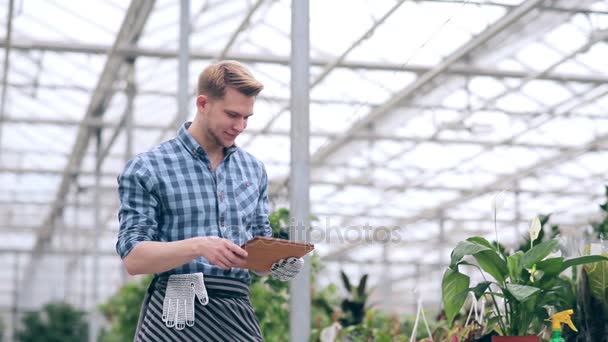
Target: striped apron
[228, 316]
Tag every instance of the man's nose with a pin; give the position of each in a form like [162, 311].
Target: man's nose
[240, 125]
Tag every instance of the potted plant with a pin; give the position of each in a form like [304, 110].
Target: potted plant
[526, 282]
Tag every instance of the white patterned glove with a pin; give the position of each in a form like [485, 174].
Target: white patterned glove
[178, 305]
[286, 269]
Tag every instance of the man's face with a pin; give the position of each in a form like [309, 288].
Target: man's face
[226, 118]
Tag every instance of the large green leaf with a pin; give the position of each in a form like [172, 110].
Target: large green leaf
[490, 262]
[346, 281]
[452, 285]
[522, 292]
[479, 289]
[514, 265]
[587, 259]
[551, 266]
[465, 248]
[538, 252]
[597, 273]
[480, 241]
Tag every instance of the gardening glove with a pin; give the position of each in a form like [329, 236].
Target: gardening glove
[178, 305]
[286, 269]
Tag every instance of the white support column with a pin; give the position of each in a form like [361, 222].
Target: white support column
[15, 319]
[94, 319]
[299, 315]
[184, 60]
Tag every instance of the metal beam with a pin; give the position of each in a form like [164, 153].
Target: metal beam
[71, 230]
[574, 222]
[339, 185]
[461, 190]
[183, 64]
[455, 69]
[53, 251]
[79, 204]
[300, 310]
[554, 8]
[285, 133]
[6, 64]
[55, 172]
[342, 184]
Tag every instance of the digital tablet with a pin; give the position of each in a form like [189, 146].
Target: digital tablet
[264, 251]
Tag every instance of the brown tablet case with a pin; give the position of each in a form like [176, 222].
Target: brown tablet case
[264, 251]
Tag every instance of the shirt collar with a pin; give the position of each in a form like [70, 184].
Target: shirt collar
[193, 146]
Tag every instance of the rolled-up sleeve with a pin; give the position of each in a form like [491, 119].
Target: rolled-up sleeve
[138, 206]
[261, 225]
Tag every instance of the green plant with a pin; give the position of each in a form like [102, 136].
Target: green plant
[279, 222]
[55, 322]
[122, 310]
[600, 229]
[354, 305]
[526, 281]
[591, 315]
[375, 326]
[1, 329]
[269, 298]
[591, 312]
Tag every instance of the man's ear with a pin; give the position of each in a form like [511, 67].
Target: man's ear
[201, 102]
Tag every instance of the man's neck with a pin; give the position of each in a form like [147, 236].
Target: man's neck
[213, 150]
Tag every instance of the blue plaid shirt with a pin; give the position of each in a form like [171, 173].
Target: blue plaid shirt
[170, 193]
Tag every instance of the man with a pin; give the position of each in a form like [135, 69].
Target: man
[186, 207]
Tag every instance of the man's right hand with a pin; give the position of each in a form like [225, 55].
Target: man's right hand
[157, 257]
[221, 252]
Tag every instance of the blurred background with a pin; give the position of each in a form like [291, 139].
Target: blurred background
[425, 116]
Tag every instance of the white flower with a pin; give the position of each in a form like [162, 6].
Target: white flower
[534, 229]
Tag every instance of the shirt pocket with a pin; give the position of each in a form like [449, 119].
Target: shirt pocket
[246, 195]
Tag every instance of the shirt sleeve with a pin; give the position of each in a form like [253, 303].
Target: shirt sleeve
[261, 225]
[138, 206]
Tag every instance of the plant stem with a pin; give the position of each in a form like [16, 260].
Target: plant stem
[500, 322]
[508, 313]
[496, 228]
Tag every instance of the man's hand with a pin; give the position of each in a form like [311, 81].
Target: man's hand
[157, 257]
[222, 252]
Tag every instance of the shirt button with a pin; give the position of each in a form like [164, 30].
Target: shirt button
[221, 195]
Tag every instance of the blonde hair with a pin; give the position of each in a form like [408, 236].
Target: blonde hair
[216, 77]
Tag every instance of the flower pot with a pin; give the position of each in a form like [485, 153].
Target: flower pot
[530, 338]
